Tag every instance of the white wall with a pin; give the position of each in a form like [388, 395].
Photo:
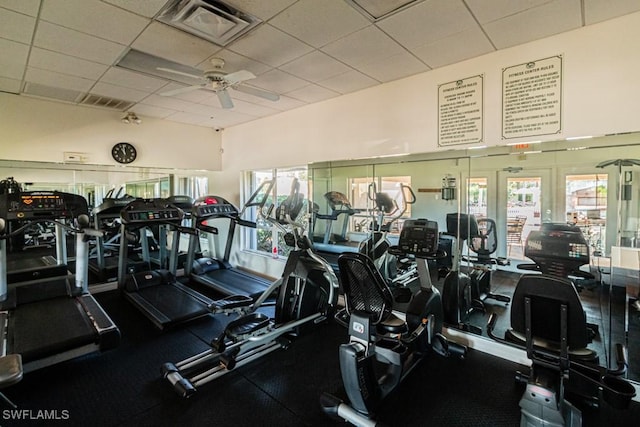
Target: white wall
[600, 92]
[38, 130]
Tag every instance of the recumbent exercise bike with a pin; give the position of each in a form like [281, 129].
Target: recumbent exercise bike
[378, 335]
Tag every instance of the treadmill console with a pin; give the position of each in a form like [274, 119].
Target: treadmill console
[419, 237]
[27, 205]
[144, 211]
[213, 206]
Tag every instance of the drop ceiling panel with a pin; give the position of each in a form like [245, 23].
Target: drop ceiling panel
[270, 46]
[598, 10]
[118, 92]
[278, 81]
[363, 47]
[74, 43]
[488, 11]
[9, 85]
[147, 8]
[176, 45]
[51, 78]
[190, 119]
[427, 22]
[234, 62]
[133, 80]
[260, 8]
[16, 26]
[96, 18]
[65, 64]
[193, 96]
[533, 24]
[142, 109]
[455, 48]
[319, 22]
[350, 81]
[250, 108]
[394, 67]
[315, 66]
[28, 7]
[12, 60]
[172, 103]
[312, 93]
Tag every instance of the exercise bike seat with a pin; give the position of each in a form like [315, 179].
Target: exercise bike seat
[392, 324]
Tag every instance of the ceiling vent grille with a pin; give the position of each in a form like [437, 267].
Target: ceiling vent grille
[106, 102]
[377, 10]
[208, 19]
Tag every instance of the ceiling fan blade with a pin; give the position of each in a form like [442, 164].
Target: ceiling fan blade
[225, 99]
[257, 92]
[180, 73]
[181, 90]
[239, 76]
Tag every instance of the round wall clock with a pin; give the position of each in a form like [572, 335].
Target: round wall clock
[124, 152]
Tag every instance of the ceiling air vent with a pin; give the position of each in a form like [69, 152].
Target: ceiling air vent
[376, 10]
[106, 102]
[209, 19]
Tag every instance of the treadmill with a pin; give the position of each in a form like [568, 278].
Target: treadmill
[218, 274]
[53, 319]
[105, 265]
[157, 293]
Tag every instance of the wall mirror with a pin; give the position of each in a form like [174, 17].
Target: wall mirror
[591, 183]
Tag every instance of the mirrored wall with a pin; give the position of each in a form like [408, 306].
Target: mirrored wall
[592, 184]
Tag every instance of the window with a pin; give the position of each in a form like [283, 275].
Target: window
[586, 206]
[265, 238]
[477, 196]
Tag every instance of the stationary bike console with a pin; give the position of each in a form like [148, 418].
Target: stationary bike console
[419, 237]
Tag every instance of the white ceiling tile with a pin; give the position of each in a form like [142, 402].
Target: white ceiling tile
[51, 78]
[16, 26]
[65, 64]
[261, 9]
[319, 22]
[287, 103]
[350, 81]
[133, 80]
[533, 24]
[315, 66]
[190, 119]
[427, 22]
[278, 81]
[312, 93]
[13, 59]
[74, 43]
[234, 62]
[96, 18]
[269, 45]
[142, 110]
[487, 11]
[251, 108]
[28, 7]
[362, 47]
[394, 67]
[455, 48]
[147, 8]
[196, 96]
[9, 85]
[173, 103]
[599, 10]
[175, 45]
[118, 92]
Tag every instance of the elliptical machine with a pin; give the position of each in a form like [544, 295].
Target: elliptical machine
[462, 294]
[378, 335]
[307, 293]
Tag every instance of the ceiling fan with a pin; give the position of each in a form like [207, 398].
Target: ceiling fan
[217, 80]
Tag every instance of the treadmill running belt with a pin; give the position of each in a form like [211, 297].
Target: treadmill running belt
[167, 304]
[233, 282]
[50, 327]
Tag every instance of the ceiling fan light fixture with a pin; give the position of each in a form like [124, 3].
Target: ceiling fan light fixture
[131, 117]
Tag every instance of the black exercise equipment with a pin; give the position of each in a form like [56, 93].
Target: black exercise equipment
[157, 293]
[218, 273]
[384, 348]
[547, 319]
[340, 209]
[307, 294]
[51, 320]
[463, 294]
